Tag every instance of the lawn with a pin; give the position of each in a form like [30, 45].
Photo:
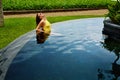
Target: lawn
[15, 27]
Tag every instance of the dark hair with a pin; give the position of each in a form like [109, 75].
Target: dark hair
[37, 19]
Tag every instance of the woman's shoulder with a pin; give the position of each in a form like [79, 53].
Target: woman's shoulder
[42, 21]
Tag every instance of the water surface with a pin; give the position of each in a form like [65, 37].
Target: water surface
[75, 50]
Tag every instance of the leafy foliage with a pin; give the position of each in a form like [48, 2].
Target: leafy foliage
[53, 4]
[114, 12]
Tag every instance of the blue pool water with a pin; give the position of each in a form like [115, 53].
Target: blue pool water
[75, 50]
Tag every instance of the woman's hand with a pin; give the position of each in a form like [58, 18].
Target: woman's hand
[39, 31]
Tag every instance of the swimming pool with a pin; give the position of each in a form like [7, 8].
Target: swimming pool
[75, 50]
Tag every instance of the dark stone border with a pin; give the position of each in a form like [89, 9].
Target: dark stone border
[111, 30]
[45, 11]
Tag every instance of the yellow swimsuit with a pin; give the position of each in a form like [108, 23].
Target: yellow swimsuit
[47, 27]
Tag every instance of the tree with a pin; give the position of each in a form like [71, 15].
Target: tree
[1, 14]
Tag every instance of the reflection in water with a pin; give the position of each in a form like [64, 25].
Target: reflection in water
[113, 46]
[41, 37]
[116, 69]
[100, 75]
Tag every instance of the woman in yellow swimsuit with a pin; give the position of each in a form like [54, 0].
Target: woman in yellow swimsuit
[43, 28]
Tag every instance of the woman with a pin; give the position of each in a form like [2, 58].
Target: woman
[43, 27]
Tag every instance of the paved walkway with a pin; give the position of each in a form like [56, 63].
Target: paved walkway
[52, 14]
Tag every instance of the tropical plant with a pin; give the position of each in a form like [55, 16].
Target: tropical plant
[114, 12]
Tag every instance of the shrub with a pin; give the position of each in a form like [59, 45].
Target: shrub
[114, 12]
[52, 4]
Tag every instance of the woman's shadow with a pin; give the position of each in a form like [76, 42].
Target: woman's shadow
[113, 46]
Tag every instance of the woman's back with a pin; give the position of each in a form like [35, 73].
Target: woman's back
[47, 27]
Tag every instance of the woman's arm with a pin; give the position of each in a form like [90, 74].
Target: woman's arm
[40, 26]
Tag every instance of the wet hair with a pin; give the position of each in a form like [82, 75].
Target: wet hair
[37, 19]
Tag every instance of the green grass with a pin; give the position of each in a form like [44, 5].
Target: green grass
[53, 4]
[15, 27]
[64, 18]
